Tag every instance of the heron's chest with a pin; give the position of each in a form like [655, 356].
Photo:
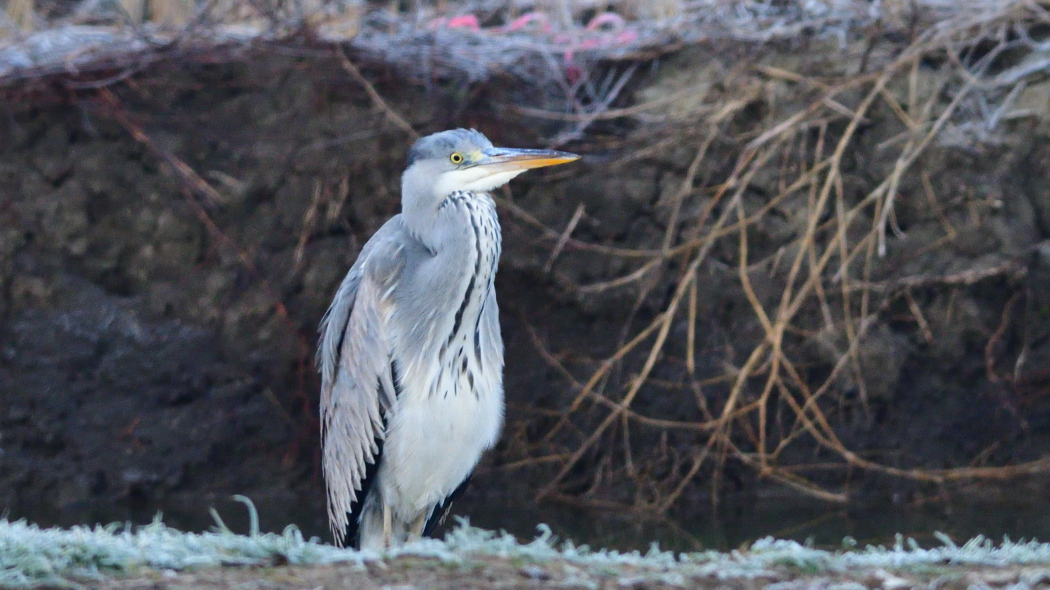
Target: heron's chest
[450, 403]
[435, 442]
[457, 354]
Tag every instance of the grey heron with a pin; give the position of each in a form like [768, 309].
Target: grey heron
[410, 352]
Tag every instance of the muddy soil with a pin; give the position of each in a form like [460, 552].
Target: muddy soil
[156, 339]
[509, 574]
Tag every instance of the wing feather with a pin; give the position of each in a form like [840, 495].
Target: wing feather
[357, 391]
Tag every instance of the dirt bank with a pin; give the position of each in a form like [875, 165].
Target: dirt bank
[504, 574]
[159, 557]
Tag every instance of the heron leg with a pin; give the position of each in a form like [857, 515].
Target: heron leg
[388, 527]
[415, 529]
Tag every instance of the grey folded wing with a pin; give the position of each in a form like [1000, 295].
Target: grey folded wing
[357, 387]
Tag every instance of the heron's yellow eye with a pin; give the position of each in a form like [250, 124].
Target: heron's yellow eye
[457, 158]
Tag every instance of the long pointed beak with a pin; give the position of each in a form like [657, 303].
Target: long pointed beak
[506, 159]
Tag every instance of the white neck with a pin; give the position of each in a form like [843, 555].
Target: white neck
[475, 179]
[421, 194]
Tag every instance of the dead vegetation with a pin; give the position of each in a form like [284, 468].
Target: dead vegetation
[767, 146]
[830, 283]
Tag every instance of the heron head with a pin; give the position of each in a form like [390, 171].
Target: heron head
[465, 160]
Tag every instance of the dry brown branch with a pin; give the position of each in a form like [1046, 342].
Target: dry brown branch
[308, 224]
[564, 238]
[663, 323]
[826, 251]
[183, 172]
[997, 337]
[1010, 269]
[373, 94]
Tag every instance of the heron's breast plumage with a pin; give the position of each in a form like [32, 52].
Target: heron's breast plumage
[450, 408]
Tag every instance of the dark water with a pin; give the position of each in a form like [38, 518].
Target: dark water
[731, 526]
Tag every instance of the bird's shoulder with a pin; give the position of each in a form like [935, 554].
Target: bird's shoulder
[384, 256]
[378, 265]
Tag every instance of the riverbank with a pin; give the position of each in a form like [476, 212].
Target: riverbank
[156, 556]
[807, 250]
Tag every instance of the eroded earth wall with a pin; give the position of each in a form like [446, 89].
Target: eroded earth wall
[168, 245]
